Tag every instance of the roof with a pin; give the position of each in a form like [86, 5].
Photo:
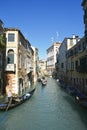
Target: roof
[14, 29]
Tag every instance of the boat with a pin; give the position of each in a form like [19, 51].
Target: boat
[57, 80]
[71, 90]
[44, 82]
[81, 98]
[16, 101]
[62, 84]
[79, 95]
[82, 101]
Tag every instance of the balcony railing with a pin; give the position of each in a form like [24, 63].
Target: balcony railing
[10, 67]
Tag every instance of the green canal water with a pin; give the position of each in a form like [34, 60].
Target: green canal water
[50, 108]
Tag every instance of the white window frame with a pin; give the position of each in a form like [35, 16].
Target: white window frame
[11, 40]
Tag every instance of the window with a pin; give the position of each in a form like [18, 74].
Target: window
[0, 84]
[10, 59]
[79, 47]
[25, 63]
[76, 64]
[71, 43]
[72, 65]
[20, 60]
[11, 37]
[77, 80]
[74, 80]
[0, 60]
[86, 81]
[68, 66]
[62, 65]
[75, 50]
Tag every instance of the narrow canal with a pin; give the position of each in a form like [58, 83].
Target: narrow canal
[50, 108]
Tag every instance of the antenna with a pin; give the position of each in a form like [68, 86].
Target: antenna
[52, 39]
[57, 34]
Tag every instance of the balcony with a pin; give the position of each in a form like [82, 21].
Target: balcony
[10, 67]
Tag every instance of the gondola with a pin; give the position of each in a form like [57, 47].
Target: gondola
[71, 90]
[16, 101]
[44, 82]
[82, 101]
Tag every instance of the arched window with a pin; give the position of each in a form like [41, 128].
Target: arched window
[10, 59]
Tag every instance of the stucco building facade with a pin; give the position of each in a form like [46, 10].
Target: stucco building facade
[19, 66]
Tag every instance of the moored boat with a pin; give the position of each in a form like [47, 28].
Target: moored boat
[63, 84]
[82, 101]
[16, 101]
[71, 90]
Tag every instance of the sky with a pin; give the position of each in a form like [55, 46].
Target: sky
[43, 22]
